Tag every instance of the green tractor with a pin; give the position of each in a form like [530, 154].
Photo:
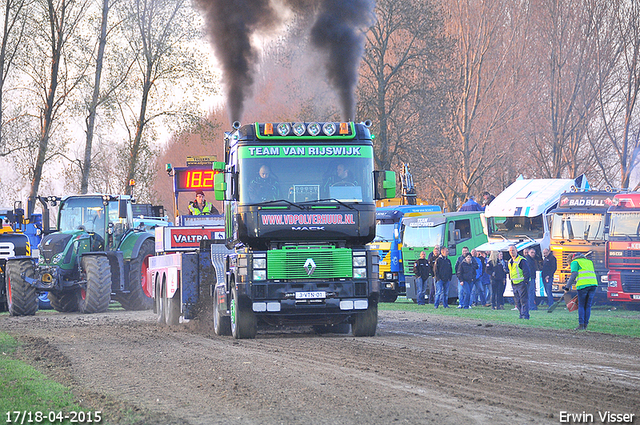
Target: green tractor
[96, 253]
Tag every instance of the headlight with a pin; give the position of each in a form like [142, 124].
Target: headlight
[259, 263]
[604, 278]
[388, 276]
[57, 258]
[359, 273]
[359, 261]
[259, 275]
[613, 283]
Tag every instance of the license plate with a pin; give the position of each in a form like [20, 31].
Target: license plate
[310, 295]
[636, 297]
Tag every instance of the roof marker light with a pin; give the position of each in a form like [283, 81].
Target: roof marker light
[299, 129]
[268, 129]
[283, 129]
[314, 128]
[344, 128]
[329, 129]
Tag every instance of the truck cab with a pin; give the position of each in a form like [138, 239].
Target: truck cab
[454, 230]
[623, 249]
[299, 206]
[389, 246]
[578, 226]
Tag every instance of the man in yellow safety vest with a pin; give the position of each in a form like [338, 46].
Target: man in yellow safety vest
[584, 276]
[519, 275]
[201, 206]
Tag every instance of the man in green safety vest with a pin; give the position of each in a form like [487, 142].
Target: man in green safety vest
[584, 277]
[519, 275]
[201, 206]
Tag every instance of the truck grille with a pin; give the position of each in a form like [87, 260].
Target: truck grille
[630, 282]
[597, 257]
[289, 263]
[630, 257]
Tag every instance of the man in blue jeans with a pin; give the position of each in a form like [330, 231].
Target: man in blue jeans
[584, 276]
[477, 287]
[422, 273]
[443, 272]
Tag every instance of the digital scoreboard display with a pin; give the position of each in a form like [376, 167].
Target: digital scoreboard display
[194, 179]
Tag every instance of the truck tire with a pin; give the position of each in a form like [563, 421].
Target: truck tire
[243, 321]
[365, 323]
[22, 298]
[136, 299]
[388, 296]
[221, 324]
[172, 307]
[96, 296]
[159, 303]
[64, 302]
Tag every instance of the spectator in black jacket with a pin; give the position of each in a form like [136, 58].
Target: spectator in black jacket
[443, 273]
[466, 273]
[549, 267]
[422, 272]
[497, 269]
[532, 263]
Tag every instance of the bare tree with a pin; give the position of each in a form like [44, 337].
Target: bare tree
[618, 89]
[159, 34]
[488, 62]
[399, 78]
[13, 31]
[57, 21]
[566, 46]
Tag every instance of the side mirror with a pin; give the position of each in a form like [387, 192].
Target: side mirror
[218, 166]
[385, 184]
[219, 186]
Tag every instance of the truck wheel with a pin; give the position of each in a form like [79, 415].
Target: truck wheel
[365, 323]
[97, 294]
[388, 296]
[159, 303]
[243, 321]
[64, 302]
[22, 298]
[221, 324]
[172, 307]
[136, 299]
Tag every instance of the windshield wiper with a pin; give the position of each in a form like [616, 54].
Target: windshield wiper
[333, 199]
[259, 204]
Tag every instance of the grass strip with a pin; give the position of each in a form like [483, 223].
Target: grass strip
[605, 318]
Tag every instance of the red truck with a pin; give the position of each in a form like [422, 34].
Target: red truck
[623, 249]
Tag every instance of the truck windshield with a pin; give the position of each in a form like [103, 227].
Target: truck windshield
[625, 224]
[512, 227]
[384, 232]
[305, 179]
[87, 213]
[420, 237]
[578, 226]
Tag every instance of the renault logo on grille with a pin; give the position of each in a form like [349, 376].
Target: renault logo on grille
[310, 266]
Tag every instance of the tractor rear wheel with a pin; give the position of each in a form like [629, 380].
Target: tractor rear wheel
[64, 302]
[22, 298]
[136, 298]
[243, 321]
[95, 298]
[365, 323]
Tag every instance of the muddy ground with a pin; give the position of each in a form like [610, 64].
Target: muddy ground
[418, 369]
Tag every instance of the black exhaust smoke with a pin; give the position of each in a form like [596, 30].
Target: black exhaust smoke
[338, 33]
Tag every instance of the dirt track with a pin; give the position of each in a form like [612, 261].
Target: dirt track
[418, 369]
